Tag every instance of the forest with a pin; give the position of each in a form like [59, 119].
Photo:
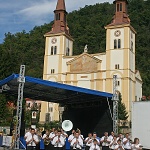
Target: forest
[86, 27]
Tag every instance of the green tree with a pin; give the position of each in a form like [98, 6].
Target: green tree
[122, 113]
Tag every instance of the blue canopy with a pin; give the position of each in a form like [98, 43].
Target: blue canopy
[39, 89]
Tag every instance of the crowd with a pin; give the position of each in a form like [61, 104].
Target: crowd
[56, 139]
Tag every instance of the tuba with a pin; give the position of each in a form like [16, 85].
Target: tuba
[67, 125]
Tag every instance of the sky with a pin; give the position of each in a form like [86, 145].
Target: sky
[19, 15]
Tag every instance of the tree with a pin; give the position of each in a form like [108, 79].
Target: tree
[122, 113]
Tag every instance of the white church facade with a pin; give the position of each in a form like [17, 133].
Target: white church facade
[92, 71]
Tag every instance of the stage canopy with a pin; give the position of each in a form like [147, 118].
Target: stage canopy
[38, 89]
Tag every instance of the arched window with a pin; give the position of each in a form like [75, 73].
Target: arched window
[58, 16]
[67, 51]
[115, 44]
[119, 43]
[120, 6]
[55, 50]
[117, 7]
[52, 49]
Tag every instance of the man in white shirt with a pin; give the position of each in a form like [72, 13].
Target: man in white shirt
[46, 140]
[113, 143]
[105, 142]
[27, 133]
[32, 140]
[110, 138]
[77, 143]
[94, 145]
[94, 137]
[70, 138]
[119, 145]
[126, 142]
[87, 140]
[58, 141]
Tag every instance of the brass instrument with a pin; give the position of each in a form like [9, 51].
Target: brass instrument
[46, 140]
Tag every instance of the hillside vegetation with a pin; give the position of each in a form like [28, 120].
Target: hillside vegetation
[86, 27]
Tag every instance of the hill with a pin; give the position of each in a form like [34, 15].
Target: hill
[86, 27]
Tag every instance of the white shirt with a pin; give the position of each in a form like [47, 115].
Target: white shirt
[70, 138]
[94, 147]
[110, 138]
[117, 147]
[27, 134]
[113, 144]
[81, 137]
[51, 136]
[88, 139]
[64, 135]
[91, 141]
[44, 136]
[136, 146]
[105, 141]
[78, 145]
[61, 143]
[127, 145]
[32, 143]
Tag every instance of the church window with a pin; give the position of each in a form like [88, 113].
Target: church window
[55, 50]
[52, 49]
[118, 83]
[120, 6]
[115, 44]
[67, 51]
[52, 71]
[117, 7]
[119, 43]
[58, 16]
[117, 66]
[131, 46]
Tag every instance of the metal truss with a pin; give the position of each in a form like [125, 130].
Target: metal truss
[115, 105]
[21, 81]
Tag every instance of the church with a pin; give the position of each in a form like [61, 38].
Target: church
[92, 71]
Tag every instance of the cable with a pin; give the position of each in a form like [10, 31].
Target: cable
[109, 109]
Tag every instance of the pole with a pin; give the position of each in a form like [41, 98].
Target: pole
[115, 105]
[21, 80]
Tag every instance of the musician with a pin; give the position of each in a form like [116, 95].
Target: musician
[52, 135]
[58, 141]
[70, 138]
[87, 140]
[119, 145]
[113, 143]
[77, 142]
[94, 145]
[120, 137]
[80, 135]
[27, 133]
[46, 140]
[105, 142]
[38, 133]
[64, 135]
[94, 137]
[32, 140]
[110, 138]
[127, 142]
[136, 145]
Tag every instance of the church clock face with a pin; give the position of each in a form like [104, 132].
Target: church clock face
[117, 33]
[54, 40]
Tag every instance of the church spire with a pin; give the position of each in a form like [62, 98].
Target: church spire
[61, 5]
[121, 16]
[60, 22]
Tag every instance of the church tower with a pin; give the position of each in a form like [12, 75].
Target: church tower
[120, 53]
[59, 43]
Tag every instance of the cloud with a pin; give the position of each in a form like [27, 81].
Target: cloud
[19, 15]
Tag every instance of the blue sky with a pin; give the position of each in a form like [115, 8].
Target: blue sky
[18, 15]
